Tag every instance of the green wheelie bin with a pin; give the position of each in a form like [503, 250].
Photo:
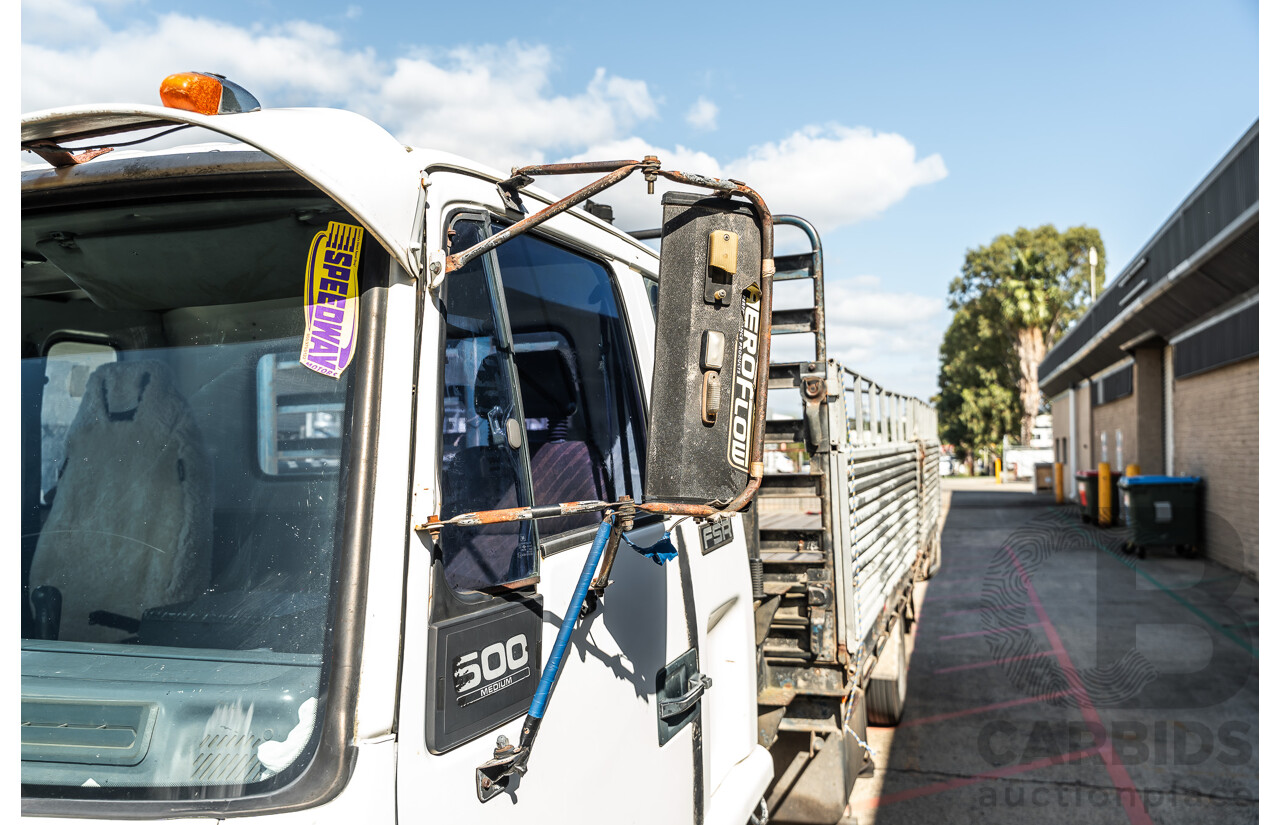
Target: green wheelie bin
[1161, 510]
[1087, 496]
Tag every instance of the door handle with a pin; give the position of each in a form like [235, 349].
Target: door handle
[698, 684]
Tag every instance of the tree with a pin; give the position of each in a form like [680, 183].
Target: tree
[1028, 288]
[977, 403]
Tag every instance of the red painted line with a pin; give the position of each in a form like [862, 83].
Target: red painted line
[986, 632]
[1124, 786]
[1012, 703]
[954, 596]
[960, 782]
[985, 609]
[994, 662]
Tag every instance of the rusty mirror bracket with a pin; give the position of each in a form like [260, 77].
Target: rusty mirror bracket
[614, 172]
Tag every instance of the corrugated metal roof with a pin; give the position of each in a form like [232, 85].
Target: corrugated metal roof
[1209, 246]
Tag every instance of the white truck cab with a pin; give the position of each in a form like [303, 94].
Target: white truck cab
[257, 406]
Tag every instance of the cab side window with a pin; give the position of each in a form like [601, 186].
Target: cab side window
[483, 458]
[578, 380]
[541, 403]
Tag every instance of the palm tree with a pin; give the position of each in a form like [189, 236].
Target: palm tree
[1030, 286]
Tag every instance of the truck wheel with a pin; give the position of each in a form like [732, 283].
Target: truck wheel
[937, 559]
[933, 564]
[887, 687]
[1187, 551]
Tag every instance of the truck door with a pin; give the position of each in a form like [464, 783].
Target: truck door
[531, 395]
[713, 557]
[717, 582]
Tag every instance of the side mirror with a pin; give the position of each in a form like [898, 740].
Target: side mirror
[709, 377]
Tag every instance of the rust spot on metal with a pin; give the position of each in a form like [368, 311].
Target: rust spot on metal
[497, 516]
[562, 205]
[674, 509]
[590, 167]
[56, 156]
[572, 507]
[731, 187]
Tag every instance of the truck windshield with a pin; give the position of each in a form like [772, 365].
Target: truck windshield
[183, 487]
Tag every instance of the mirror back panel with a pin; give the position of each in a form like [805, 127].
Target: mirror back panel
[706, 356]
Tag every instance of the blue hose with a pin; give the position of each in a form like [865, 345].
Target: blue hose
[570, 621]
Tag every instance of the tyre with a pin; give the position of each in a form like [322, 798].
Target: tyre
[934, 563]
[887, 687]
[1187, 551]
[937, 558]
[1127, 547]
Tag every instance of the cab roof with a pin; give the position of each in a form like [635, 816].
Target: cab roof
[347, 156]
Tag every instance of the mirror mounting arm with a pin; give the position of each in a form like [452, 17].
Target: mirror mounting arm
[616, 171]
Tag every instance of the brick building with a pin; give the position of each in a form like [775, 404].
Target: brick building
[1163, 370]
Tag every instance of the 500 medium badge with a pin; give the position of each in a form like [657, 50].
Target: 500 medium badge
[482, 673]
[744, 388]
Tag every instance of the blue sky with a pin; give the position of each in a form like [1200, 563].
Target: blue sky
[907, 132]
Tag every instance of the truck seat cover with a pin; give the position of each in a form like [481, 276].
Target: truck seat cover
[131, 522]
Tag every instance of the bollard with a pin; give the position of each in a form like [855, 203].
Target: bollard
[1104, 494]
[1133, 470]
[1057, 482]
[998, 472]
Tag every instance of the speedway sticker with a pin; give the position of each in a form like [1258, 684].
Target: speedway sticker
[332, 299]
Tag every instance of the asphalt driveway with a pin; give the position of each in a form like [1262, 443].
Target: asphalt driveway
[1053, 678]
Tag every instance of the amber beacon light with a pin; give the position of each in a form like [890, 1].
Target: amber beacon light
[206, 93]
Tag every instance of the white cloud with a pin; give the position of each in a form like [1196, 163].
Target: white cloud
[833, 176]
[301, 62]
[891, 337]
[864, 301]
[60, 21]
[702, 115]
[493, 103]
[836, 175]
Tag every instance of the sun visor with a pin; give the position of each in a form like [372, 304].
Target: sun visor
[227, 252]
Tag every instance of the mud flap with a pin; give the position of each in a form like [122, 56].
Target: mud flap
[816, 772]
[812, 789]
